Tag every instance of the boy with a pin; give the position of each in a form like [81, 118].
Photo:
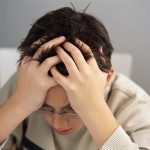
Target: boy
[67, 93]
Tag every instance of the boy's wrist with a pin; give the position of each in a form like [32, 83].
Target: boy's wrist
[100, 122]
[21, 107]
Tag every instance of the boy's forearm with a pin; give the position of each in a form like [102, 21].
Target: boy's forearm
[12, 114]
[100, 122]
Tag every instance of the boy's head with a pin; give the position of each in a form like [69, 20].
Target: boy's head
[71, 24]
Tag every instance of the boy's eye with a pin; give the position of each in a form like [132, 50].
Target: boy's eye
[47, 109]
[50, 110]
[68, 110]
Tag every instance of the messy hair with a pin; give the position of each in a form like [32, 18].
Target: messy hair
[71, 24]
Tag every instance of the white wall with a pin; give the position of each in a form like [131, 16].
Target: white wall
[127, 21]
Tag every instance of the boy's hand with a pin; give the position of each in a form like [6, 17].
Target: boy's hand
[33, 80]
[86, 83]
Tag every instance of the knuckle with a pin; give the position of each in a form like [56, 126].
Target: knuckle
[87, 72]
[42, 86]
[66, 44]
[76, 51]
[57, 78]
[47, 61]
[79, 81]
[72, 88]
[42, 48]
[69, 62]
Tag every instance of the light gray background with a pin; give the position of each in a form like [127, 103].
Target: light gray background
[127, 21]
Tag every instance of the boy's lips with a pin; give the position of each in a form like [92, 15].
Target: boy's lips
[63, 132]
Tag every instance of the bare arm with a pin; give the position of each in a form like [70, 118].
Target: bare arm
[100, 123]
[33, 83]
[12, 114]
[85, 88]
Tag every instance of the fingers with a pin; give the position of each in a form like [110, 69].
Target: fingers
[68, 61]
[55, 42]
[87, 49]
[39, 41]
[76, 54]
[49, 62]
[84, 46]
[78, 63]
[45, 66]
[28, 60]
[52, 81]
[60, 79]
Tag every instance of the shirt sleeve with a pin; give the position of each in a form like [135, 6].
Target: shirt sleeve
[130, 105]
[3, 144]
[119, 140]
[8, 89]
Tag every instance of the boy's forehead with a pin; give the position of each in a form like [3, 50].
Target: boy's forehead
[56, 89]
[56, 96]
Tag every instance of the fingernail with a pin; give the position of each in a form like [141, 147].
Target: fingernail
[62, 37]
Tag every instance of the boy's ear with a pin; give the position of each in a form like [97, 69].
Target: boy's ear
[109, 75]
[111, 71]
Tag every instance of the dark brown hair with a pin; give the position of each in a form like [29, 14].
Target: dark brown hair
[72, 24]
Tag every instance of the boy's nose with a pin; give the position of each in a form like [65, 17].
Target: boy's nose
[59, 122]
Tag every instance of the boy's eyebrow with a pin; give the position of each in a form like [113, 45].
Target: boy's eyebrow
[46, 105]
[68, 105]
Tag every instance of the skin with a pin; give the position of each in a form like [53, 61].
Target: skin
[83, 76]
[90, 104]
[56, 98]
[32, 78]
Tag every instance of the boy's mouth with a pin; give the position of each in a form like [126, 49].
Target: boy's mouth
[63, 132]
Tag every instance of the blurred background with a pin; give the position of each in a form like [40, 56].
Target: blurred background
[127, 21]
